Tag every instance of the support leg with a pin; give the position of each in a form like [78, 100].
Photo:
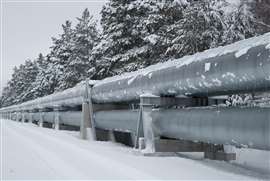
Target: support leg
[30, 118]
[40, 123]
[87, 128]
[17, 117]
[149, 135]
[57, 120]
[23, 117]
[85, 122]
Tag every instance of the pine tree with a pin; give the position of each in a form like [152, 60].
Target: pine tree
[241, 24]
[7, 97]
[18, 89]
[205, 25]
[71, 52]
[61, 55]
[133, 34]
[27, 77]
[117, 36]
[86, 36]
[45, 81]
[200, 28]
[260, 8]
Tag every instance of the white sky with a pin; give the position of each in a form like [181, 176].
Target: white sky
[27, 27]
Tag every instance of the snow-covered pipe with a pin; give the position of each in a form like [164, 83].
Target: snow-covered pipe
[237, 68]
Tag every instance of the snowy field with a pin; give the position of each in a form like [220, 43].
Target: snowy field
[31, 152]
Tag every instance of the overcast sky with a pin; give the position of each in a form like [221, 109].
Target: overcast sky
[27, 27]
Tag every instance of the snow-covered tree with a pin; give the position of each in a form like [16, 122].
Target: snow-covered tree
[45, 81]
[208, 24]
[61, 53]
[261, 8]
[118, 36]
[19, 87]
[132, 34]
[200, 28]
[71, 52]
[7, 97]
[240, 24]
[86, 36]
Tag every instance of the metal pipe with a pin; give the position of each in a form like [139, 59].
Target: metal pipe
[221, 75]
[238, 126]
[244, 126]
[117, 120]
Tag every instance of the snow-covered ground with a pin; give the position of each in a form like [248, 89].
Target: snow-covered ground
[31, 152]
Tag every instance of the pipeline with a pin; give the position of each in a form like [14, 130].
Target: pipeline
[249, 126]
[237, 68]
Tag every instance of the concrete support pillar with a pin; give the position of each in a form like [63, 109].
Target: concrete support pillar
[41, 118]
[148, 130]
[85, 122]
[30, 118]
[23, 117]
[147, 122]
[87, 128]
[139, 131]
[56, 119]
[17, 116]
[91, 112]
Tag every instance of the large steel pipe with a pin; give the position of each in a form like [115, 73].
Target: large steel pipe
[238, 126]
[72, 118]
[224, 74]
[108, 120]
[244, 126]
[118, 120]
[69, 97]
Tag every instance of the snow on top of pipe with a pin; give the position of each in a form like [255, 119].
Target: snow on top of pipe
[240, 48]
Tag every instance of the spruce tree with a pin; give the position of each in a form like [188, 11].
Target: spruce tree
[61, 53]
[45, 81]
[86, 37]
[133, 34]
